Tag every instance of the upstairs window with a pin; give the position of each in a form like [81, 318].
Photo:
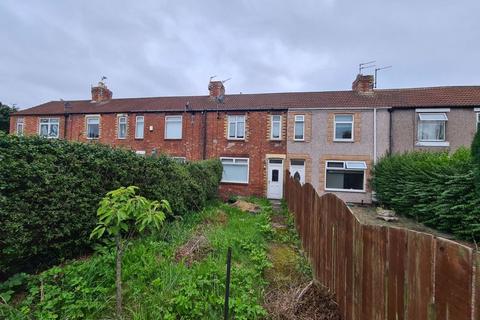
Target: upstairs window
[49, 128]
[236, 127]
[122, 127]
[343, 127]
[20, 126]
[345, 175]
[173, 127]
[235, 170]
[431, 127]
[139, 127]
[93, 127]
[276, 127]
[299, 129]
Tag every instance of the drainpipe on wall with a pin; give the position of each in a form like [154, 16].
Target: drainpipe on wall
[374, 135]
[390, 148]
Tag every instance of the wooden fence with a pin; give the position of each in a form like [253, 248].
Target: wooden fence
[380, 272]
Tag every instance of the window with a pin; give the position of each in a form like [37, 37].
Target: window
[139, 127]
[478, 121]
[299, 128]
[20, 126]
[93, 127]
[49, 128]
[122, 127]
[236, 127]
[235, 170]
[180, 159]
[431, 127]
[141, 152]
[343, 127]
[345, 175]
[173, 127]
[276, 127]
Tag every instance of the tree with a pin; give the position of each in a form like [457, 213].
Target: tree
[121, 214]
[5, 112]
[476, 159]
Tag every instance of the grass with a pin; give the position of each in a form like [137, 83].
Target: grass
[156, 286]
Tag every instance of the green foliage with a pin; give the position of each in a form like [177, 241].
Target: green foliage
[122, 207]
[476, 160]
[50, 190]
[5, 112]
[436, 189]
[157, 286]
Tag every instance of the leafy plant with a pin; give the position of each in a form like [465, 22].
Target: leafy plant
[121, 213]
[436, 189]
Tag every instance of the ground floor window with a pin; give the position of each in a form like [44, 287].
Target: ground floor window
[235, 170]
[49, 127]
[180, 159]
[345, 175]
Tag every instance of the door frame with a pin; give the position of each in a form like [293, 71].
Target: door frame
[281, 174]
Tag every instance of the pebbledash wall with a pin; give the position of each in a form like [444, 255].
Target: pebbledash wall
[321, 146]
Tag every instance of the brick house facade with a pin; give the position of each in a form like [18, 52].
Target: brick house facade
[256, 135]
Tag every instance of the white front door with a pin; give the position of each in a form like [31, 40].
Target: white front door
[275, 179]
[297, 169]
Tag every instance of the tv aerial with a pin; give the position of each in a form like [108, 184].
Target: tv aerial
[365, 65]
[376, 71]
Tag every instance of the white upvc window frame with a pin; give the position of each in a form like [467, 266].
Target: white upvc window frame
[272, 123]
[180, 159]
[170, 120]
[92, 116]
[346, 168]
[122, 120]
[20, 126]
[49, 125]
[137, 118]
[478, 120]
[440, 117]
[234, 163]
[234, 120]
[141, 153]
[352, 123]
[298, 118]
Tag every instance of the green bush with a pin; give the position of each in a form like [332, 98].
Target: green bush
[436, 189]
[50, 190]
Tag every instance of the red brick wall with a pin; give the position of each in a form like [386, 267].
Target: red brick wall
[255, 147]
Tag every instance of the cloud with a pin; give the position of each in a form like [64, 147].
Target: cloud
[54, 50]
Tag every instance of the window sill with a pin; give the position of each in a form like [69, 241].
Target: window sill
[93, 138]
[432, 144]
[236, 139]
[234, 182]
[348, 141]
[298, 140]
[346, 190]
[172, 139]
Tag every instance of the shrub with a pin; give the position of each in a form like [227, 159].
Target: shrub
[50, 190]
[436, 189]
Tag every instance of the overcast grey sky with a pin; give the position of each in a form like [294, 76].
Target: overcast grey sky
[57, 49]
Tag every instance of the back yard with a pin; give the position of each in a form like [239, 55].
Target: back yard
[179, 272]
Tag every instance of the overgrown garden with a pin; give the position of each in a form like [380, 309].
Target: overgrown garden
[50, 191]
[438, 189]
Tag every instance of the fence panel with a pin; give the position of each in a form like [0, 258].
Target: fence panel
[383, 272]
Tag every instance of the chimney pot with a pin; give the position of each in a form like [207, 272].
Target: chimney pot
[363, 84]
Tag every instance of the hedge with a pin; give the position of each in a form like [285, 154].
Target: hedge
[50, 190]
[436, 189]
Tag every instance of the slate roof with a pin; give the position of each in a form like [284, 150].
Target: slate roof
[452, 96]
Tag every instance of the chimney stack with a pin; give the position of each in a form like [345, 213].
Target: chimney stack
[101, 92]
[217, 90]
[363, 84]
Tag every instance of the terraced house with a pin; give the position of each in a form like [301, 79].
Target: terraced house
[329, 139]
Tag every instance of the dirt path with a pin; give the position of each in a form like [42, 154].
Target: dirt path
[291, 293]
